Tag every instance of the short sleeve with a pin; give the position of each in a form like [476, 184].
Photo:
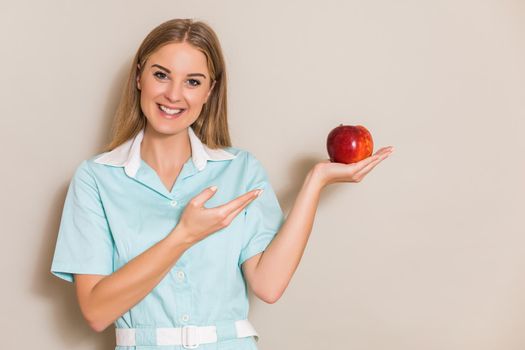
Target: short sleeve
[84, 242]
[263, 217]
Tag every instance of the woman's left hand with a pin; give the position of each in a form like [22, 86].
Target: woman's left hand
[328, 172]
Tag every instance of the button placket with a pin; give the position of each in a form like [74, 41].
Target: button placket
[181, 275]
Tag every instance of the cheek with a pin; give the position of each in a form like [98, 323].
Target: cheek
[196, 98]
[150, 88]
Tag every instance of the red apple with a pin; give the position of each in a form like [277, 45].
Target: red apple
[349, 144]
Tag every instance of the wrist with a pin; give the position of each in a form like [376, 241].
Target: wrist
[178, 237]
[316, 179]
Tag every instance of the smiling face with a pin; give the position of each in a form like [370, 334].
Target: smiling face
[174, 85]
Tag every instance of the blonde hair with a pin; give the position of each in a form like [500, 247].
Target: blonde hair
[212, 125]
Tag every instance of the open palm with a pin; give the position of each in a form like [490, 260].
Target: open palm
[331, 172]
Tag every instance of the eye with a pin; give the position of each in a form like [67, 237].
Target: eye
[160, 75]
[194, 82]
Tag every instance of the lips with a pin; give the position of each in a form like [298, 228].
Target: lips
[170, 112]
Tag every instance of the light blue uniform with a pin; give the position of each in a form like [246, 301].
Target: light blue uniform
[117, 207]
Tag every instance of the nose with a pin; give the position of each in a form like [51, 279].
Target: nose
[173, 92]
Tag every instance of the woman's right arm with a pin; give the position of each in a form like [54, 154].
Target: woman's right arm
[103, 299]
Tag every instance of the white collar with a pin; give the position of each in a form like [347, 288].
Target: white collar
[128, 153]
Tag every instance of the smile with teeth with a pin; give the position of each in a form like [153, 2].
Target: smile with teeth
[171, 111]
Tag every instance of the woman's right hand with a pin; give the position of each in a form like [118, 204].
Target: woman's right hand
[198, 222]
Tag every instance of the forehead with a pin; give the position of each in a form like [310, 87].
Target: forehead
[179, 57]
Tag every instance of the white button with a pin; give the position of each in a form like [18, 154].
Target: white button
[180, 274]
[185, 318]
[173, 203]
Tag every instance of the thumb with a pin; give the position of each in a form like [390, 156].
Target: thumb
[206, 194]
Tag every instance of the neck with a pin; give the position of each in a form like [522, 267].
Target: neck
[165, 153]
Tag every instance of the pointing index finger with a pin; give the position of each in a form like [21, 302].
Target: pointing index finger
[241, 201]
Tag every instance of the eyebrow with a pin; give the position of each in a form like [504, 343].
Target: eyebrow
[189, 75]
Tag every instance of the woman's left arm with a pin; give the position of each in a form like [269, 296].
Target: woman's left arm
[270, 273]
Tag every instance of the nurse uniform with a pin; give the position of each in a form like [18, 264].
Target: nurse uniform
[116, 207]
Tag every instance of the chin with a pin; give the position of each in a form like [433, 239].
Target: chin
[166, 127]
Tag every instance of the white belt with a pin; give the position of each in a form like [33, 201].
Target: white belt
[189, 337]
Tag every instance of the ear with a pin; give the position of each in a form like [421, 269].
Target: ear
[138, 76]
[209, 92]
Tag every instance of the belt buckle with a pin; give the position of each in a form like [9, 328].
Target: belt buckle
[189, 337]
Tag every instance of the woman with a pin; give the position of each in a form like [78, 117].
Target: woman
[164, 231]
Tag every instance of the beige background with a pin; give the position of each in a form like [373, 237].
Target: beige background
[426, 253]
